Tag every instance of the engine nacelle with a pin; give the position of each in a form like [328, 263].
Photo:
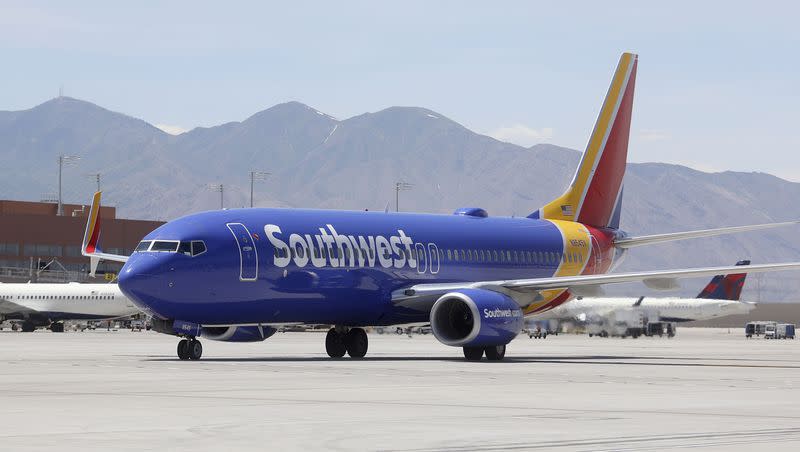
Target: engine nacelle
[238, 333]
[476, 318]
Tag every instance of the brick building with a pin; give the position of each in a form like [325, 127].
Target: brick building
[33, 237]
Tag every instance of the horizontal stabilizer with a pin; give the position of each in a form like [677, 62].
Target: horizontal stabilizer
[632, 242]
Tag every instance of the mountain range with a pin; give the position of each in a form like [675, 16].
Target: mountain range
[318, 161]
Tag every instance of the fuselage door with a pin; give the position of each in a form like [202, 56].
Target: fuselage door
[422, 258]
[248, 256]
[434, 257]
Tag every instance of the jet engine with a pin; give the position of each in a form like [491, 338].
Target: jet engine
[238, 333]
[476, 318]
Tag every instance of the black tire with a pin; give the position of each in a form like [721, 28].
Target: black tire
[334, 344]
[57, 327]
[473, 353]
[28, 327]
[356, 343]
[183, 349]
[195, 349]
[496, 353]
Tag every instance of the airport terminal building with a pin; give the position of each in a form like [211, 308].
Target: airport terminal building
[36, 244]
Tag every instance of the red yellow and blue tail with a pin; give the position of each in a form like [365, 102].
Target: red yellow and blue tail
[594, 196]
[91, 238]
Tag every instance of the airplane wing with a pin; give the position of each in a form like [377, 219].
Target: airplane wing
[632, 242]
[8, 307]
[424, 293]
[91, 238]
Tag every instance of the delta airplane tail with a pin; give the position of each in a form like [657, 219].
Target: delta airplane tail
[594, 196]
[725, 287]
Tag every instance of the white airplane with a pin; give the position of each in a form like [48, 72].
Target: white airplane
[718, 299]
[50, 305]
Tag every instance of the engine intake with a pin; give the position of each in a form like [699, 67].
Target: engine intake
[475, 317]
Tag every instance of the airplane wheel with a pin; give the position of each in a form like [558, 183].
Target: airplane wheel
[28, 327]
[334, 344]
[57, 327]
[356, 343]
[473, 353]
[183, 349]
[195, 349]
[496, 353]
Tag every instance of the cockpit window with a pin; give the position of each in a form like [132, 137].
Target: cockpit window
[198, 247]
[185, 248]
[143, 245]
[165, 246]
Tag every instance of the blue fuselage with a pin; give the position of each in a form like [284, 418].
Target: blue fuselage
[329, 267]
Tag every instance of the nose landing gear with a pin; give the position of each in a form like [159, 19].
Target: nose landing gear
[190, 349]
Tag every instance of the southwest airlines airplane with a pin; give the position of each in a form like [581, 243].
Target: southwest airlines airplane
[235, 275]
[51, 304]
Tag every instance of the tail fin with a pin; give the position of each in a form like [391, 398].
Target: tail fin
[91, 238]
[594, 196]
[725, 287]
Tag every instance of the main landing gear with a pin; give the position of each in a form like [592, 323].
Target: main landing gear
[494, 353]
[190, 349]
[352, 341]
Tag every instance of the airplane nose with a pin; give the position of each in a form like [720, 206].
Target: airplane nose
[141, 279]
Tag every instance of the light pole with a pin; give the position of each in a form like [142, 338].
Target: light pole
[96, 177]
[254, 176]
[398, 187]
[221, 189]
[64, 160]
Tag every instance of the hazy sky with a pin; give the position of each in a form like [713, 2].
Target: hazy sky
[717, 86]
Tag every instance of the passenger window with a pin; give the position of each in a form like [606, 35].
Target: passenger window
[449, 255]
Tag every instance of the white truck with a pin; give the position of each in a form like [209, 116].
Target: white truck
[779, 331]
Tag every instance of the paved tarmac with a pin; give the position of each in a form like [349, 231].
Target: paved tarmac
[126, 391]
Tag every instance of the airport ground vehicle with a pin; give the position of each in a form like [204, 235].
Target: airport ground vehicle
[775, 330]
[789, 332]
[757, 328]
